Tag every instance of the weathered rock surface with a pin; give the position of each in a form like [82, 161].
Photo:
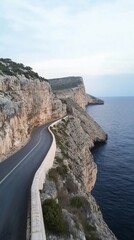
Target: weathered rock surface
[91, 100]
[70, 87]
[74, 174]
[24, 103]
[27, 100]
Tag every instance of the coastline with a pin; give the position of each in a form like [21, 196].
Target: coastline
[24, 106]
[73, 175]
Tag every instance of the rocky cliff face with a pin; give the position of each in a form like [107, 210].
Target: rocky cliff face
[73, 175]
[91, 100]
[80, 134]
[27, 100]
[24, 104]
[70, 87]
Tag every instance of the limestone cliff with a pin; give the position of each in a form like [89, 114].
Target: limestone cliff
[73, 175]
[23, 106]
[69, 87]
[91, 100]
[26, 100]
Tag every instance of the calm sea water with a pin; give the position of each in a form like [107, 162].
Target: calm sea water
[114, 189]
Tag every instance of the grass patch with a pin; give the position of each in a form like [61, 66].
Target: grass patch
[62, 170]
[53, 218]
[8, 67]
[58, 159]
[53, 174]
[60, 143]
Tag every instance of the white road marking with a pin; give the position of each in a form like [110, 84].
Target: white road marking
[22, 159]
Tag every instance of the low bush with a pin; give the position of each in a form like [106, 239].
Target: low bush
[76, 202]
[89, 230]
[53, 218]
[53, 174]
[62, 170]
[58, 159]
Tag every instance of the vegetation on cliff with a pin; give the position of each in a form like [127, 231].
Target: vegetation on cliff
[53, 216]
[8, 67]
[70, 200]
[65, 83]
[72, 178]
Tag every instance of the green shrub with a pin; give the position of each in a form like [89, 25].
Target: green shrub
[62, 170]
[53, 218]
[89, 230]
[76, 202]
[53, 174]
[58, 159]
[87, 227]
[8, 67]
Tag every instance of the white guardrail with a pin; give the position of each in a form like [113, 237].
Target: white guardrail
[37, 223]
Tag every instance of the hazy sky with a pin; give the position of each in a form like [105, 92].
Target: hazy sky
[72, 37]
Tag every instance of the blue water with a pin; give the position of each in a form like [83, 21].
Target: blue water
[114, 189]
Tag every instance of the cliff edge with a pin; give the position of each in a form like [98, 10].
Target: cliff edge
[69, 87]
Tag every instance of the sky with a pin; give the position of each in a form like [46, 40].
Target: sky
[89, 38]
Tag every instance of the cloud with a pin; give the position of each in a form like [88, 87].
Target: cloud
[84, 37]
[94, 65]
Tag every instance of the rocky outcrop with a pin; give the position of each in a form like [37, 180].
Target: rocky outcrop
[73, 88]
[73, 175]
[91, 100]
[70, 87]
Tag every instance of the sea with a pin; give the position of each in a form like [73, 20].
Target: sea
[114, 188]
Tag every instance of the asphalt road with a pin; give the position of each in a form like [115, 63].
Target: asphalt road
[16, 175]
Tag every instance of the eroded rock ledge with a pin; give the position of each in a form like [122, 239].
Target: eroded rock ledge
[91, 100]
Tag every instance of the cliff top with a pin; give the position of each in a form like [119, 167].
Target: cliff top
[65, 82]
[8, 67]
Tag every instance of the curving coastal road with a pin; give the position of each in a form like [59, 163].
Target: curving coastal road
[16, 175]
